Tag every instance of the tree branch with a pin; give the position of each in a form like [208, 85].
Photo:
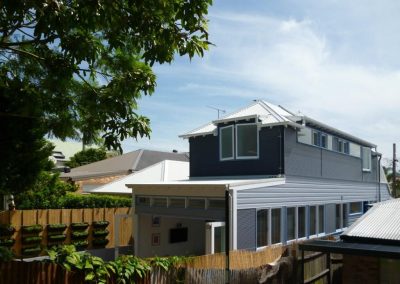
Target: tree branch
[24, 52]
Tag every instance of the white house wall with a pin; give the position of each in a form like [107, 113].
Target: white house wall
[195, 244]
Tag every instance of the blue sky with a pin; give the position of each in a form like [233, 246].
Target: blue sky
[335, 61]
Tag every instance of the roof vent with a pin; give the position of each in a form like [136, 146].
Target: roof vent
[174, 151]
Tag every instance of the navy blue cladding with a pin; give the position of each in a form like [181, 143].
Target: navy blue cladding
[204, 156]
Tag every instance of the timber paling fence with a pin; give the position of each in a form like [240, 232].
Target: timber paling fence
[44, 217]
[244, 268]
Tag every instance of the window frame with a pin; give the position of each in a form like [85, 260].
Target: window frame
[236, 142]
[361, 211]
[369, 159]
[233, 143]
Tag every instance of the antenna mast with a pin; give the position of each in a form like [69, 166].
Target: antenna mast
[218, 110]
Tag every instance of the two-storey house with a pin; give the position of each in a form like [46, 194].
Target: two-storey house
[270, 175]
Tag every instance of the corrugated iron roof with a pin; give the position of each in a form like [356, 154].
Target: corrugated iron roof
[268, 114]
[380, 224]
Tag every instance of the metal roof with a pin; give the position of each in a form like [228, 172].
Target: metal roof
[163, 171]
[381, 224]
[267, 114]
[123, 164]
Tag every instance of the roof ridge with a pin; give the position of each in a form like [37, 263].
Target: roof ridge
[136, 162]
[273, 112]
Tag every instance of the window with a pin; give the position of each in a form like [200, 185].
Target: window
[159, 202]
[177, 202]
[313, 220]
[216, 204]
[246, 146]
[346, 147]
[356, 208]
[366, 158]
[197, 203]
[301, 222]
[319, 139]
[226, 142]
[246, 141]
[291, 223]
[345, 207]
[275, 225]
[143, 201]
[321, 219]
[262, 228]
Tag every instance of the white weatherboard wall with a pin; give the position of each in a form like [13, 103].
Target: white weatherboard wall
[195, 244]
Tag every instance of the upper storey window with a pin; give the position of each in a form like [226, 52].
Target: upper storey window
[226, 142]
[320, 139]
[366, 159]
[240, 142]
[246, 141]
[341, 145]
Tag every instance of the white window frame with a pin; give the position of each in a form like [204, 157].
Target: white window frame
[236, 140]
[369, 159]
[233, 143]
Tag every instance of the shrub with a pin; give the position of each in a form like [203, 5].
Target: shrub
[100, 224]
[56, 227]
[32, 229]
[94, 201]
[79, 226]
[31, 251]
[6, 230]
[31, 240]
[5, 254]
[100, 233]
[7, 242]
[55, 238]
[79, 235]
[80, 244]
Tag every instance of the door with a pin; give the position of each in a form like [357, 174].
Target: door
[215, 237]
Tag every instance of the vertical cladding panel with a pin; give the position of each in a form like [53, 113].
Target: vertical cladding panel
[246, 229]
[204, 156]
[301, 159]
[336, 165]
[372, 175]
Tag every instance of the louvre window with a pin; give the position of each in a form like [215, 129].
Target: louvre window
[291, 223]
[275, 225]
[366, 158]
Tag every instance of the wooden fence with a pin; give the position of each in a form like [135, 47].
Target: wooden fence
[44, 217]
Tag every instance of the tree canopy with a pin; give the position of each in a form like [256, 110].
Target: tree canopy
[77, 68]
[87, 156]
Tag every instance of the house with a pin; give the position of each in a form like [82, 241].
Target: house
[265, 176]
[96, 174]
[370, 246]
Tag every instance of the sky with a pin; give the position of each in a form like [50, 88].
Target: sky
[335, 61]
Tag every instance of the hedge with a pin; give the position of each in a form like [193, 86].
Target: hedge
[94, 201]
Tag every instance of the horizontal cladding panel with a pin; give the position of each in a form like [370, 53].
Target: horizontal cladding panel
[300, 191]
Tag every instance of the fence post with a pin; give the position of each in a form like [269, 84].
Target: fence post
[328, 264]
[302, 266]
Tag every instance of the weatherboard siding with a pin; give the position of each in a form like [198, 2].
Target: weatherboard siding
[311, 161]
[205, 161]
[307, 191]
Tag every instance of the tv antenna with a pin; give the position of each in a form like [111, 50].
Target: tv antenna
[219, 110]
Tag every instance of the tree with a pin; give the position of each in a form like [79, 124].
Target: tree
[74, 68]
[47, 192]
[86, 157]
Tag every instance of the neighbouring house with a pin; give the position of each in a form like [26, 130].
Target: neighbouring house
[64, 150]
[370, 246]
[164, 171]
[264, 175]
[94, 175]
